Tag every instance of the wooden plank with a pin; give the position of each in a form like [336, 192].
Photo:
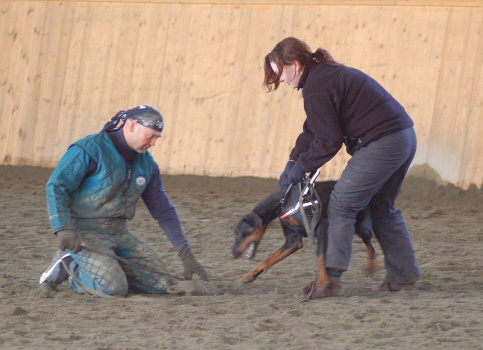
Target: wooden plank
[175, 57]
[250, 137]
[51, 71]
[450, 122]
[118, 57]
[231, 71]
[223, 123]
[150, 70]
[109, 51]
[214, 89]
[471, 104]
[75, 61]
[284, 115]
[237, 155]
[9, 12]
[149, 55]
[26, 36]
[225, 94]
[198, 81]
[435, 3]
[261, 132]
[418, 60]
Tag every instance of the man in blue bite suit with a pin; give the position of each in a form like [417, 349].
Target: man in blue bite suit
[92, 193]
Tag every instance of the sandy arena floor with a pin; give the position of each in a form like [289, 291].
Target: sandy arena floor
[446, 224]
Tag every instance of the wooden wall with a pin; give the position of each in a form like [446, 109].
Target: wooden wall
[66, 67]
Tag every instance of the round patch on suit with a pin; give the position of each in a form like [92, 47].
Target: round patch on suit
[141, 181]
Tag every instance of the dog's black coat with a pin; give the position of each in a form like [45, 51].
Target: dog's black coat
[252, 226]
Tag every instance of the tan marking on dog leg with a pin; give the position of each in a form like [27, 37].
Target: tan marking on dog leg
[293, 221]
[371, 260]
[322, 277]
[269, 262]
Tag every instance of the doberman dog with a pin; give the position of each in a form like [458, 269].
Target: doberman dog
[251, 228]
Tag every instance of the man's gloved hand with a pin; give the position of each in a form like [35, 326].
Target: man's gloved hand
[191, 265]
[283, 181]
[296, 174]
[69, 239]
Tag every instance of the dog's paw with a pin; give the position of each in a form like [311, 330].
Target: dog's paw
[251, 276]
[248, 280]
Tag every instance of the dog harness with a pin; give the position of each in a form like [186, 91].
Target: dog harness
[301, 206]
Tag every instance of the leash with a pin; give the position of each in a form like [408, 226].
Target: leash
[316, 207]
[309, 191]
[308, 196]
[87, 290]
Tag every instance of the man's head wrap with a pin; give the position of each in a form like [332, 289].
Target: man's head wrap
[145, 115]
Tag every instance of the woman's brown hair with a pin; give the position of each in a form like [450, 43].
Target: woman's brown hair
[285, 53]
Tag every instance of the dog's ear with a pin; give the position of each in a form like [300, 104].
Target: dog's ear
[253, 220]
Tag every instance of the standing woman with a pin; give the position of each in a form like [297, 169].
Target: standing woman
[345, 106]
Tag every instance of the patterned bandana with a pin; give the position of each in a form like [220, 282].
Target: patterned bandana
[145, 115]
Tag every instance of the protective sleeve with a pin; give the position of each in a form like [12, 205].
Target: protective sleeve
[66, 177]
[163, 211]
